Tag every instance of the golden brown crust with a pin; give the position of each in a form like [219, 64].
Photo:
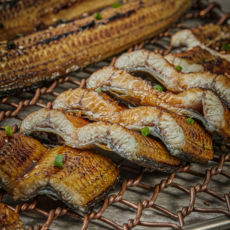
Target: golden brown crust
[9, 220]
[119, 29]
[24, 16]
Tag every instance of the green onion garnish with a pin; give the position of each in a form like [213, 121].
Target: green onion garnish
[11, 45]
[98, 16]
[19, 35]
[178, 68]
[116, 5]
[145, 131]
[158, 88]
[190, 121]
[8, 131]
[226, 46]
[1, 25]
[98, 90]
[63, 20]
[203, 60]
[58, 160]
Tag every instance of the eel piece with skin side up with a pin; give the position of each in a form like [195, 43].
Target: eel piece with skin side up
[164, 72]
[128, 144]
[56, 54]
[185, 141]
[125, 87]
[199, 60]
[211, 37]
[24, 16]
[27, 169]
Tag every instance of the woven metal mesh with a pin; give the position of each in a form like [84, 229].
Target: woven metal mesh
[17, 107]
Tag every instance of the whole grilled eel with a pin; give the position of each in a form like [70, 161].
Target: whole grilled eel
[185, 141]
[9, 220]
[214, 115]
[49, 58]
[197, 59]
[27, 169]
[164, 72]
[75, 133]
[213, 38]
[24, 16]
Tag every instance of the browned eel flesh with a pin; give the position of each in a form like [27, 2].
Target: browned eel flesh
[128, 144]
[9, 220]
[53, 56]
[197, 59]
[183, 140]
[176, 81]
[214, 115]
[214, 38]
[23, 17]
[27, 169]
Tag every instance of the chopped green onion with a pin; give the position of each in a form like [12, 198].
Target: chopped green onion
[19, 35]
[190, 121]
[58, 160]
[203, 60]
[63, 20]
[11, 45]
[98, 90]
[226, 46]
[1, 25]
[116, 5]
[178, 68]
[158, 88]
[98, 16]
[8, 131]
[145, 131]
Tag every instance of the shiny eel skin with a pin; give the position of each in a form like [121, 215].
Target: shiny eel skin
[52, 57]
[213, 113]
[25, 16]
[27, 169]
[76, 132]
[185, 141]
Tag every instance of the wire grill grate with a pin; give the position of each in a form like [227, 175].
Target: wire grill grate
[16, 108]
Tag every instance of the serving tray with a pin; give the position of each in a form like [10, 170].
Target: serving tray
[144, 200]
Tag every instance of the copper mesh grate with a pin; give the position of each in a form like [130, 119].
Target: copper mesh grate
[179, 216]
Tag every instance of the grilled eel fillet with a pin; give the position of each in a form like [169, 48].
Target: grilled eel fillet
[134, 90]
[210, 37]
[27, 169]
[60, 54]
[164, 72]
[185, 141]
[9, 220]
[126, 143]
[24, 16]
[197, 59]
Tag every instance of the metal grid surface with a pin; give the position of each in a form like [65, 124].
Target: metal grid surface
[17, 107]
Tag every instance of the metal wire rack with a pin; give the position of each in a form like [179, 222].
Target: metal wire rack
[13, 107]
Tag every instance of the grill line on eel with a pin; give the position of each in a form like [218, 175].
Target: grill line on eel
[164, 72]
[60, 51]
[27, 169]
[136, 91]
[185, 141]
[78, 133]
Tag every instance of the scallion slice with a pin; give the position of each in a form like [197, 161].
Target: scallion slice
[116, 5]
[190, 121]
[145, 131]
[58, 160]
[8, 131]
[97, 16]
[98, 90]
[178, 68]
[158, 88]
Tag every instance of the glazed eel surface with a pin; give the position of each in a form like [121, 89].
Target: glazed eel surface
[44, 58]
[23, 17]
[27, 169]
